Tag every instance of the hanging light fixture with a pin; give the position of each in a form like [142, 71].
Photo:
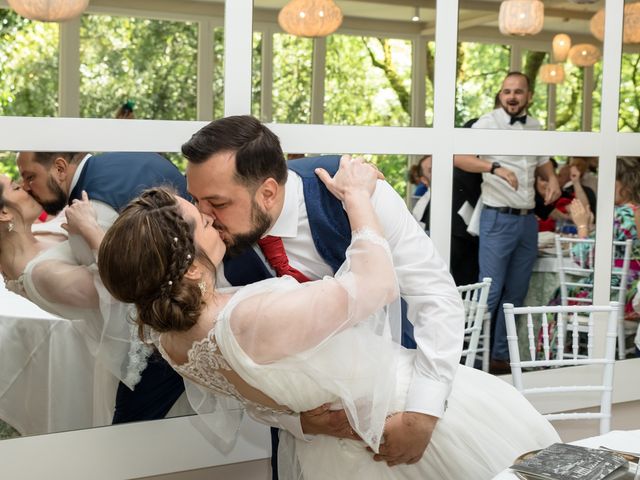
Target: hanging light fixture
[416, 15]
[561, 44]
[521, 17]
[631, 26]
[310, 18]
[552, 73]
[49, 10]
[584, 55]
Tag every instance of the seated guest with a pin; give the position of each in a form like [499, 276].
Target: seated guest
[421, 210]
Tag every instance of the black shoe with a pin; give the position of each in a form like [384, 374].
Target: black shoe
[499, 367]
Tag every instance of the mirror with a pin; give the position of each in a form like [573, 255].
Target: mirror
[362, 74]
[629, 112]
[128, 67]
[565, 92]
[625, 274]
[509, 235]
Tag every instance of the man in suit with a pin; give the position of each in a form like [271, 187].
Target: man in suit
[111, 180]
[237, 173]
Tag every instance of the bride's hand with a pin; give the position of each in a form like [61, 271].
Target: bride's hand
[81, 217]
[354, 176]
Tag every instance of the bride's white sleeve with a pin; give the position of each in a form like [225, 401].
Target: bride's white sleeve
[281, 322]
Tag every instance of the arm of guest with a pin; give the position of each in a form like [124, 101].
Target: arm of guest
[545, 170]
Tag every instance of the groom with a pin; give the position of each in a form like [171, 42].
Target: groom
[111, 180]
[237, 174]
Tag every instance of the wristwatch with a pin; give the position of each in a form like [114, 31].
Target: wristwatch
[494, 165]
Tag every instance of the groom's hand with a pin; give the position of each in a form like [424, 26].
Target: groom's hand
[322, 421]
[406, 436]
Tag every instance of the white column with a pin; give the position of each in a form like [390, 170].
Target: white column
[587, 99]
[69, 69]
[318, 68]
[238, 15]
[515, 64]
[266, 83]
[206, 63]
[551, 107]
[443, 121]
[418, 79]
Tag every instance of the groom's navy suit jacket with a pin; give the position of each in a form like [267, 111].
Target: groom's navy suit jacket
[116, 179]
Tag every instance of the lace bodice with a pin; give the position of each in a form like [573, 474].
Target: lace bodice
[205, 366]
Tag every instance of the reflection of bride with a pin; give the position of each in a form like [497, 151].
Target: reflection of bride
[279, 346]
[40, 266]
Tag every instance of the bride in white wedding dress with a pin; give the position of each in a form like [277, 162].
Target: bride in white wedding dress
[277, 346]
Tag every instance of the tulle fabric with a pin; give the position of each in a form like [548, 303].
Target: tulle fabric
[56, 284]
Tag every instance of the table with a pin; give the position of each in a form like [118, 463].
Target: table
[49, 381]
[625, 440]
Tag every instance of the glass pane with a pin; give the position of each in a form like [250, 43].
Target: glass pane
[564, 89]
[147, 67]
[28, 66]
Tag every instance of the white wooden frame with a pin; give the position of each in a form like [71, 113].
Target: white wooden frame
[158, 447]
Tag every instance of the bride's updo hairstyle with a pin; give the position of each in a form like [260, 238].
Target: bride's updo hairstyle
[144, 256]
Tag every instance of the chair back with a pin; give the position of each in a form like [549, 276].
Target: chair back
[575, 259]
[556, 321]
[476, 324]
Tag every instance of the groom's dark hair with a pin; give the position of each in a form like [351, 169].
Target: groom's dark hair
[46, 158]
[258, 152]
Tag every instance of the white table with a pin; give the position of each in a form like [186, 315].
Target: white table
[49, 382]
[625, 440]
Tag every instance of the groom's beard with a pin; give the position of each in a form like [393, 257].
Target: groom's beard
[260, 223]
[59, 201]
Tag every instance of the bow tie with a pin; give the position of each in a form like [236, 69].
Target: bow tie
[521, 119]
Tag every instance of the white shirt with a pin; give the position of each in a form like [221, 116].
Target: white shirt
[496, 192]
[434, 305]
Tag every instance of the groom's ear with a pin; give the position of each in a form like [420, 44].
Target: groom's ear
[61, 168]
[267, 193]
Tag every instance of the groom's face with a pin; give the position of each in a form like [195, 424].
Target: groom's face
[236, 208]
[42, 183]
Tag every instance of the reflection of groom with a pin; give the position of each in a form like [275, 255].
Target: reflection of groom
[237, 173]
[111, 180]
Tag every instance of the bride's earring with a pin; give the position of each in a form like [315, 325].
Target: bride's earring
[10, 227]
[202, 285]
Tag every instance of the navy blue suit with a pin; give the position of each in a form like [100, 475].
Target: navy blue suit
[116, 179]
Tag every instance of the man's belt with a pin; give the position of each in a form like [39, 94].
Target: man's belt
[511, 211]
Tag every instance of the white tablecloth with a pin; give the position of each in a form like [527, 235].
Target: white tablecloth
[624, 440]
[49, 382]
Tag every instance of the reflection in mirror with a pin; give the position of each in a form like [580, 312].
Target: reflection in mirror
[505, 217]
[69, 355]
[565, 86]
[625, 275]
[29, 58]
[366, 73]
[629, 112]
[129, 67]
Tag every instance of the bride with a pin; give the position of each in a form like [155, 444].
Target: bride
[35, 264]
[278, 346]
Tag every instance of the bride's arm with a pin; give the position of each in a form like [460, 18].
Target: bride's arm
[66, 283]
[283, 322]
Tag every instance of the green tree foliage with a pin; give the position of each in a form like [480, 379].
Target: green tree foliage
[28, 66]
[291, 78]
[151, 62]
[630, 94]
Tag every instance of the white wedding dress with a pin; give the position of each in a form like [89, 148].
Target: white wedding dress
[304, 345]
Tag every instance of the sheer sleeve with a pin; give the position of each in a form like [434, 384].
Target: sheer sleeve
[277, 323]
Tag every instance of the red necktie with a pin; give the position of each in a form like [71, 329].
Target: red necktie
[273, 250]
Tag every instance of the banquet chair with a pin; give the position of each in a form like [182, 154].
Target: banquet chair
[554, 354]
[572, 265]
[477, 329]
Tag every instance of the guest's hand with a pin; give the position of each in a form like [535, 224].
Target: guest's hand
[508, 176]
[553, 191]
[581, 216]
[322, 421]
[406, 437]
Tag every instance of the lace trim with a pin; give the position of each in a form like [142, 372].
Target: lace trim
[138, 355]
[204, 362]
[370, 235]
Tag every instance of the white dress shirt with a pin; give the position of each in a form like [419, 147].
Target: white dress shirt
[434, 305]
[496, 192]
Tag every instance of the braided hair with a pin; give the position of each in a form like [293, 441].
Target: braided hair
[143, 259]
